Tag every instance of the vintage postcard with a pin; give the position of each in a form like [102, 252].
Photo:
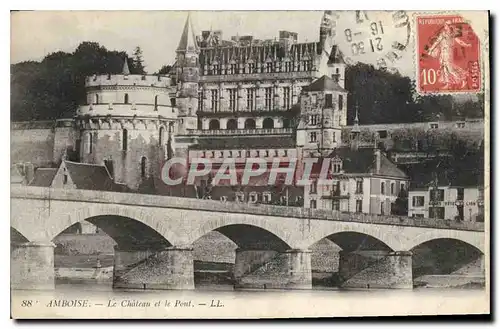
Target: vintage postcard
[249, 164]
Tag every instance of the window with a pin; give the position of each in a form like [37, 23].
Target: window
[251, 68]
[234, 69]
[460, 193]
[96, 98]
[65, 177]
[313, 204]
[418, 201]
[172, 102]
[359, 205]
[382, 133]
[434, 126]
[314, 186]
[402, 186]
[248, 154]
[214, 124]
[223, 198]
[314, 119]
[89, 143]
[336, 205]
[382, 208]
[328, 100]
[266, 197]
[268, 123]
[286, 123]
[253, 197]
[232, 99]
[267, 153]
[232, 124]
[250, 124]
[161, 136]
[437, 195]
[359, 186]
[285, 153]
[214, 93]
[341, 102]
[269, 67]
[240, 197]
[460, 124]
[313, 137]
[125, 99]
[393, 189]
[201, 96]
[288, 66]
[124, 140]
[314, 99]
[143, 167]
[216, 69]
[286, 98]
[108, 163]
[382, 188]
[336, 166]
[156, 102]
[436, 212]
[250, 99]
[268, 99]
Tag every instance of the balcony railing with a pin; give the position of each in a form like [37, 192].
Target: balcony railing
[240, 132]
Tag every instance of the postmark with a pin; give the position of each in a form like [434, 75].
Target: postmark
[448, 55]
[378, 38]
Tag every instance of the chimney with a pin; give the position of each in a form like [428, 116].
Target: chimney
[377, 160]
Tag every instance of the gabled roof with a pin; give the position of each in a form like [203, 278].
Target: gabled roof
[362, 161]
[43, 177]
[188, 39]
[324, 83]
[244, 142]
[91, 177]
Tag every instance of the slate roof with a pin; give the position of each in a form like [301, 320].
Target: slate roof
[43, 177]
[362, 160]
[324, 83]
[91, 177]
[244, 142]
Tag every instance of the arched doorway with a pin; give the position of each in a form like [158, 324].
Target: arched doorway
[268, 123]
[232, 124]
[214, 124]
[250, 124]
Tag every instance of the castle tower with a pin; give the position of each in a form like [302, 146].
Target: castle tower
[323, 113]
[125, 124]
[187, 79]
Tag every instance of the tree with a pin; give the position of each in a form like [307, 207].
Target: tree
[164, 70]
[54, 87]
[400, 206]
[138, 61]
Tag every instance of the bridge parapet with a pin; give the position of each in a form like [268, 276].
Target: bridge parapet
[31, 192]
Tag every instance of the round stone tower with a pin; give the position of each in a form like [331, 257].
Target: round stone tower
[127, 124]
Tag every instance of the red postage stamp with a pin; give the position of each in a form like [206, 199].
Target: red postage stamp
[448, 55]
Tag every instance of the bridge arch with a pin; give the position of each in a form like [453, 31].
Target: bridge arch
[468, 237]
[247, 233]
[361, 233]
[124, 224]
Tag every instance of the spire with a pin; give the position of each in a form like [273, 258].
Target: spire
[188, 39]
[125, 70]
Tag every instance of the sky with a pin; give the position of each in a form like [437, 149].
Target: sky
[34, 34]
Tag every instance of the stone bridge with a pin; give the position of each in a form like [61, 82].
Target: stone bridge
[154, 236]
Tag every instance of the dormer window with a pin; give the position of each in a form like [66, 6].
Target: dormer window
[336, 166]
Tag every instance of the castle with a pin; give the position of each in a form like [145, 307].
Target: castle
[240, 98]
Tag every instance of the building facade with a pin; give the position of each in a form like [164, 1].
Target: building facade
[462, 203]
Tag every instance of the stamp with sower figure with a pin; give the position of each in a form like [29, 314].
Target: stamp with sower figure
[448, 55]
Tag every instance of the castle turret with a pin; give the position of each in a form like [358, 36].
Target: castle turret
[325, 29]
[187, 78]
